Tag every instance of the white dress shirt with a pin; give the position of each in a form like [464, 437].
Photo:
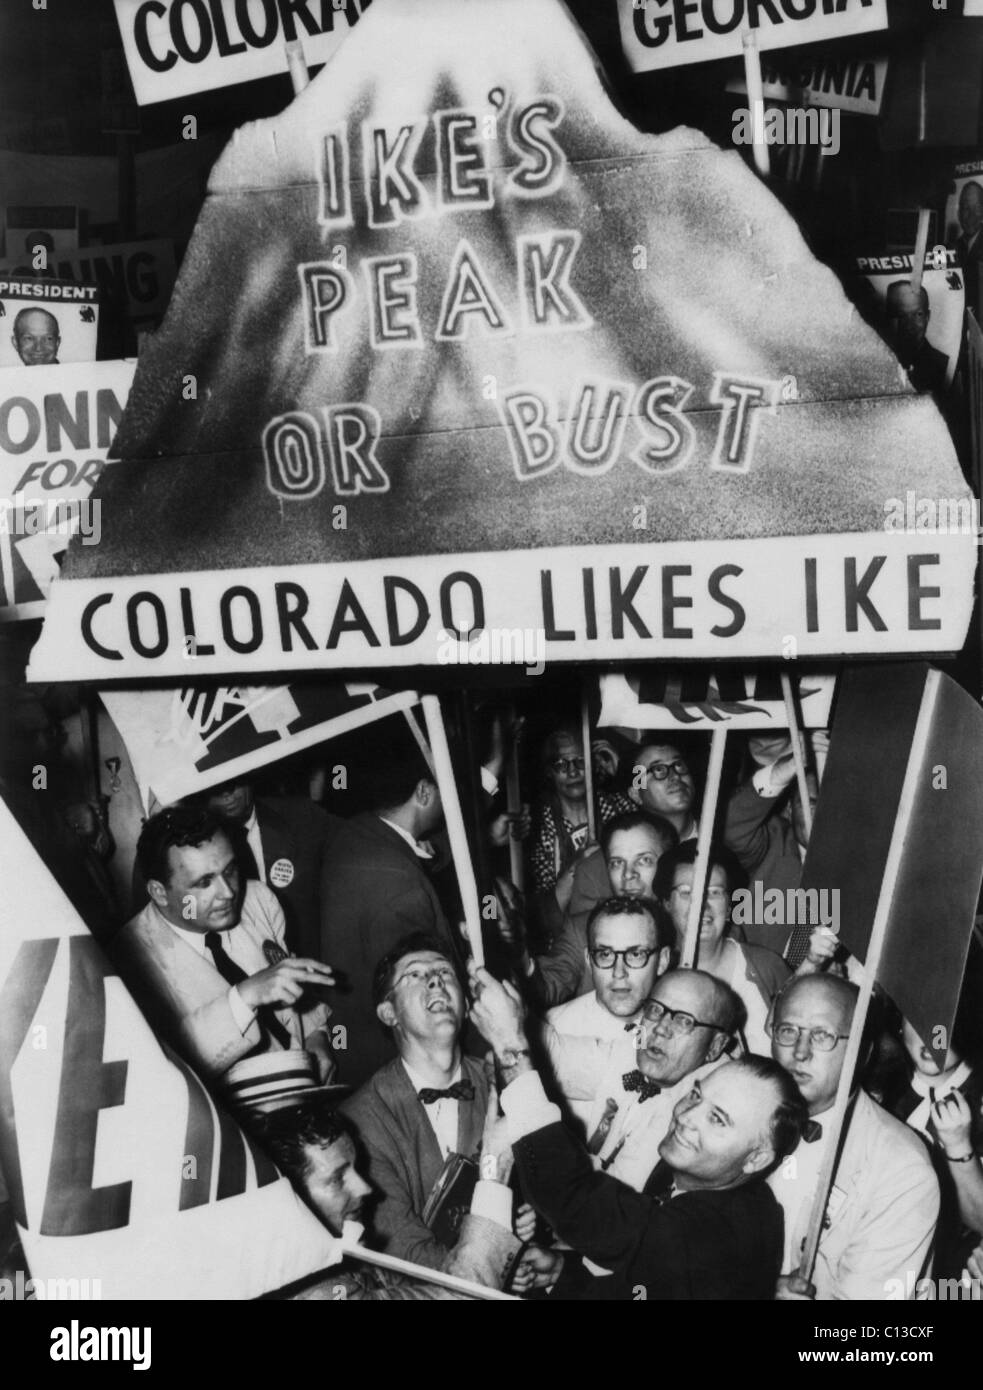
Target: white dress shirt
[255, 841]
[421, 848]
[442, 1114]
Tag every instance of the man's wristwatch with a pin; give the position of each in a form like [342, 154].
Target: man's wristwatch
[510, 1057]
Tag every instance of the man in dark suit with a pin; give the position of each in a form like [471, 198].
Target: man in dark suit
[969, 245]
[705, 1227]
[427, 1104]
[281, 842]
[375, 889]
[624, 864]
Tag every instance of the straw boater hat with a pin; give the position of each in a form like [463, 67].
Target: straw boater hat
[273, 1080]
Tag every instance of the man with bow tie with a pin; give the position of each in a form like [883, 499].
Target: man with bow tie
[427, 1104]
[884, 1203]
[633, 1084]
[706, 1225]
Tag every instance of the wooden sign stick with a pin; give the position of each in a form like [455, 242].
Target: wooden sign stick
[756, 102]
[444, 773]
[798, 755]
[718, 742]
[513, 804]
[921, 246]
[588, 767]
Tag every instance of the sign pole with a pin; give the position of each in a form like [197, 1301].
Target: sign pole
[513, 804]
[899, 847]
[299, 76]
[456, 831]
[756, 102]
[921, 246]
[718, 743]
[798, 756]
[588, 767]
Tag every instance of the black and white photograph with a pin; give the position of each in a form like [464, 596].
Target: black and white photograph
[491, 668]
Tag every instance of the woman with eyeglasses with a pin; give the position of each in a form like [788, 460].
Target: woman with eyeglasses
[755, 973]
[560, 817]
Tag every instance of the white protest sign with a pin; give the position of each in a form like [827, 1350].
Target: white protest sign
[670, 33]
[177, 47]
[56, 426]
[855, 84]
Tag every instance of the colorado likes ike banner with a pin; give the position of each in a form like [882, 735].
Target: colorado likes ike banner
[525, 368]
[669, 33]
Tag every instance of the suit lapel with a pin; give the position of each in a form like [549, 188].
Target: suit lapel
[278, 843]
[471, 1117]
[400, 1096]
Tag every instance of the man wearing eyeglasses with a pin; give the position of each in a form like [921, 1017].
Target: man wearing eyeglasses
[425, 1106]
[631, 845]
[629, 944]
[663, 783]
[884, 1204]
[631, 1086]
[705, 1226]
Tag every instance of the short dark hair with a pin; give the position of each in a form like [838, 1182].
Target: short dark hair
[392, 777]
[384, 975]
[289, 1134]
[790, 1114]
[632, 820]
[175, 827]
[665, 932]
[720, 857]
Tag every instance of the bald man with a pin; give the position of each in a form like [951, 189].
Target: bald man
[908, 314]
[36, 338]
[884, 1204]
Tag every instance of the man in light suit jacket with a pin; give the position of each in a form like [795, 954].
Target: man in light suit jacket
[375, 889]
[427, 1104]
[884, 1203]
[206, 956]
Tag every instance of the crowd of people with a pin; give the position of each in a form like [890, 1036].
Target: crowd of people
[590, 1118]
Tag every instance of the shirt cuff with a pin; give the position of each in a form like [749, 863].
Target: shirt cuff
[489, 781]
[762, 783]
[245, 1017]
[527, 1107]
[493, 1200]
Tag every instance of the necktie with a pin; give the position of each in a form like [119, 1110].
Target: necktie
[798, 945]
[460, 1090]
[234, 975]
[596, 1142]
[813, 1131]
[245, 857]
[635, 1081]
